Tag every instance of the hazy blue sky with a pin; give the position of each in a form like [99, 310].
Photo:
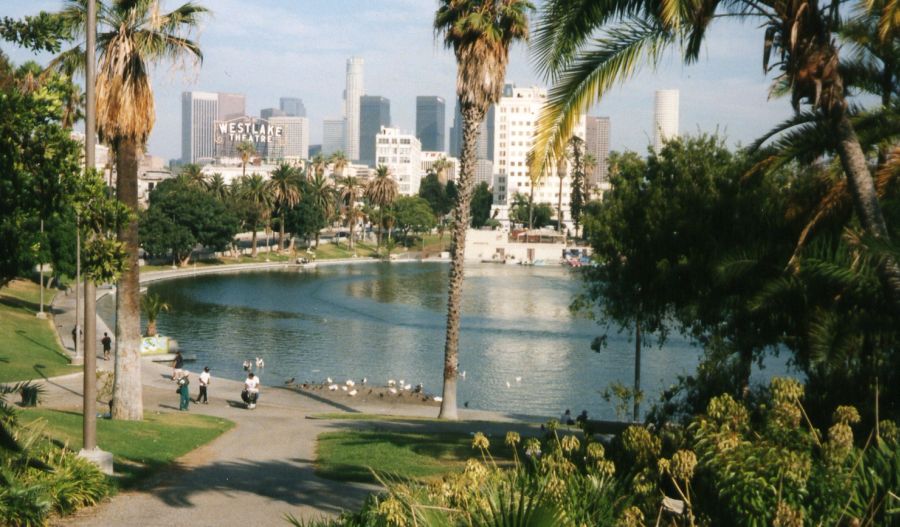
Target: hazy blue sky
[272, 48]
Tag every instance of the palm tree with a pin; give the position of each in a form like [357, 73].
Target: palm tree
[193, 175]
[216, 186]
[480, 33]
[382, 190]
[133, 35]
[258, 195]
[339, 162]
[440, 167]
[320, 191]
[799, 36]
[318, 164]
[285, 186]
[152, 305]
[561, 168]
[246, 149]
[349, 193]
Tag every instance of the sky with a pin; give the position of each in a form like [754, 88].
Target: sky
[268, 49]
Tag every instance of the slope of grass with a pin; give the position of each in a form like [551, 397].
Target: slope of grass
[353, 455]
[139, 447]
[29, 348]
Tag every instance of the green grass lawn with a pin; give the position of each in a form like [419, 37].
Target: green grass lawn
[352, 456]
[139, 447]
[28, 345]
[334, 251]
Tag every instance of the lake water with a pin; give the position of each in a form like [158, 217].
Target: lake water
[386, 321]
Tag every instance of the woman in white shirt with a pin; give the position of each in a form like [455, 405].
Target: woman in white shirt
[251, 390]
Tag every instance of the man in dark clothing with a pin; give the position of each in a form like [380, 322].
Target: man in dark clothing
[107, 346]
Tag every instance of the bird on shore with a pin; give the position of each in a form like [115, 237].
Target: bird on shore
[328, 380]
[393, 390]
[466, 404]
[352, 393]
[290, 381]
[364, 381]
[350, 383]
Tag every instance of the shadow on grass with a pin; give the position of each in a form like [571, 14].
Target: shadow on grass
[24, 335]
[18, 303]
[291, 482]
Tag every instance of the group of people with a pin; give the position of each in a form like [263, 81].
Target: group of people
[566, 418]
[250, 393]
[106, 341]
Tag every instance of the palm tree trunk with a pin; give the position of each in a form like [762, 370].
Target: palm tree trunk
[253, 243]
[350, 238]
[472, 118]
[865, 199]
[637, 370]
[531, 207]
[281, 233]
[127, 396]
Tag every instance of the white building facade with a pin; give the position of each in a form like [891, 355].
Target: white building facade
[352, 93]
[428, 159]
[293, 143]
[516, 116]
[199, 112]
[402, 154]
[665, 117]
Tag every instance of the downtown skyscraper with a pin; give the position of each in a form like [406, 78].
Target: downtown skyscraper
[292, 107]
[596, 143]
[665, 117]
[374, 113]
[352, 93]
[430, 113]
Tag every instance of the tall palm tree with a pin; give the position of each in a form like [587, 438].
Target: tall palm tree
[349, 191]
[133, 35]
[480, 33]
[799, 43]
[321, 193]
[246, 150]
[285, 185]
[318, 164]
[258, 195]
[339, 162]
[381, 191]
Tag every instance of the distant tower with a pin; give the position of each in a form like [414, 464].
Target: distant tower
[430, 113]
[199, 111]
[665, 117]
[374, 113]
[332, 136]
[292, 107]
[352, 94]
[596, 132]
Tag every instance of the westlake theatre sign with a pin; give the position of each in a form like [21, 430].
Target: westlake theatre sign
[229, 134]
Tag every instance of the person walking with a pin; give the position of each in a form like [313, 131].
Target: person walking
[251, 390]
[204, 382]
[177, 364]
[107, 345]
[184, 390]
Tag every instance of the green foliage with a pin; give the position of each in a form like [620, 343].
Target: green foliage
[99, 216]
[37, 161]
[521, 212]
[482, 199]
[413, 214]
[308, 216]
[181, 216]
[41, 32]
[435, 193]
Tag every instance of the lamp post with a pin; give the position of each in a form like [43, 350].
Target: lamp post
[90, 451]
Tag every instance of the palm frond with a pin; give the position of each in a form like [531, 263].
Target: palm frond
[616, 58]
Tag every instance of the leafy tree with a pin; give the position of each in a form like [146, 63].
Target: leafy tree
[482, 199]
[37, 162]
[522, 211]
[413, 214]
[181, 216]
[307, 217]
[435, 193]
[800, 45]
[480, 33]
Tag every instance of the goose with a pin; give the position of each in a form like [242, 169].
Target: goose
[407, 387]
[518, 379]
[402, 382]
[364, 381]
[344, 388]
[329, 381]
[508, 385]
[352, 393]
[260, 363]
[438, 398]
[333, 387]
[392, 382]
[350, 383]
[393, 390]
[290, 381]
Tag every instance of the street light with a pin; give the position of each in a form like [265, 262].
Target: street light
[90, 451]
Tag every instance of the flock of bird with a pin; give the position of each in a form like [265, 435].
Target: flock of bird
[259, 363]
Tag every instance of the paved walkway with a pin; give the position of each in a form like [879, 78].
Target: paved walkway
[252, 475]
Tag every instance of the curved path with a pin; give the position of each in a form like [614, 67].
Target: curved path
[254, 474]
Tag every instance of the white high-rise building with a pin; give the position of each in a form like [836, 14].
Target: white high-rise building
[665, 117]
[199, 111]
[333, 136]
[352, 93]
[515, 121]
[293, 143]
[402, 154]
